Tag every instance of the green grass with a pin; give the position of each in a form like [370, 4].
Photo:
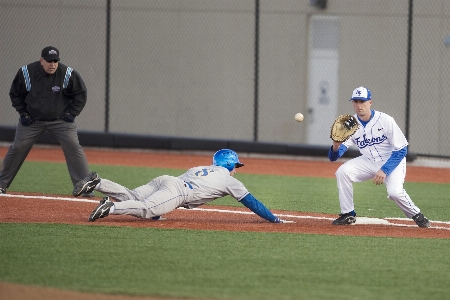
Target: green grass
[229, 265]
[222, 265]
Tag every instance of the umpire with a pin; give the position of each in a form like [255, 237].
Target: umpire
[48, 96]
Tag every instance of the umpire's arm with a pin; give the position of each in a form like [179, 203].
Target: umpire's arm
[18, 93]
[77, 91]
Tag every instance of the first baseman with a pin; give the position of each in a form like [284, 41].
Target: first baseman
[383, 147]
[163, 194]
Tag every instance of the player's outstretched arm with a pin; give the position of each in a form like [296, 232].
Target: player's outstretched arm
[260, 209]
[336, 150]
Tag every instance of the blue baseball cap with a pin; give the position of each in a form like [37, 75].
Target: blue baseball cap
[361, 93]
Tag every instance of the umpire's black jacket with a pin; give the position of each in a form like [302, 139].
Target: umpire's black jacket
[47, 96]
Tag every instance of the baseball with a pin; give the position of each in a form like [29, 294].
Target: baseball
[298, 117]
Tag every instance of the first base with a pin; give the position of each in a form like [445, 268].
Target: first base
[364, 220]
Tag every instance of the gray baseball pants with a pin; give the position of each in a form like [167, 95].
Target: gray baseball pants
[26, 136]
[156, 198]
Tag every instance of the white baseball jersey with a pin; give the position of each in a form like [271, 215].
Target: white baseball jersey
[212, 182]
[378, 138]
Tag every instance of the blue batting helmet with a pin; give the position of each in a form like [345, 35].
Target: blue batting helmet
[226, 158]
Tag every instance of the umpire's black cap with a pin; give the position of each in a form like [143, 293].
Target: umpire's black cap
[50, 53]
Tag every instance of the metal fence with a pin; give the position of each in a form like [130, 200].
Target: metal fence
[241, 69]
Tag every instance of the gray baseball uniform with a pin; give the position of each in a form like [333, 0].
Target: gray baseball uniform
[163, 194]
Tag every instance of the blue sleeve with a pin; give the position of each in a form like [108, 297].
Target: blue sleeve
[394, 160]
[333, 156]
[258, 208]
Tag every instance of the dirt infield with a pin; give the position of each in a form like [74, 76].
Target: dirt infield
[24, 210]
[13, 208]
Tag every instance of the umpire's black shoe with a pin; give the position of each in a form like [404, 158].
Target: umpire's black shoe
[421, 221]
[102, 209]
[2, 190]
[345, 219]
[87, 185]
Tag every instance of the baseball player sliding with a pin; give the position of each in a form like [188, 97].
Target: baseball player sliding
[383, 147]
[163, 194]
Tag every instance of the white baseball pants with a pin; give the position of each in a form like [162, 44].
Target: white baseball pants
[361, 169]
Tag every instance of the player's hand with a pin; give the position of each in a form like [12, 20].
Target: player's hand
[379, 177]
[336, 146]
[278, 220]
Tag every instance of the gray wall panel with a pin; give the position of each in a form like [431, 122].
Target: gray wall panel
[192, 74]
[282, 77]
[185, 68]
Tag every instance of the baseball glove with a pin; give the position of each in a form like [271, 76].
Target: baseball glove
[343, 128]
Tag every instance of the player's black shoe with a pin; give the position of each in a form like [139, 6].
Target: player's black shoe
[87, 185]
[421, 221]
[88, 195]
[345, 219]
[102, 209]
[2, 190]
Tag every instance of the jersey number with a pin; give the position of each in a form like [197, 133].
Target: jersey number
[203, 172]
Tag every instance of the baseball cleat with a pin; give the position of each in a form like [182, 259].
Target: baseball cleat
[102, 209]
[421, 221]
[88, 195]
[87, 185]
[2, 190]
[345, 219]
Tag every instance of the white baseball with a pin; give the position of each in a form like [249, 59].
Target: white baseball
[298, 117]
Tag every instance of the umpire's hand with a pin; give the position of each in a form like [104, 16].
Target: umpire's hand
[68, 117]
[26, 119]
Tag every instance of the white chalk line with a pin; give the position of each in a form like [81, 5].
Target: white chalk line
[48, 198]
[364, 220]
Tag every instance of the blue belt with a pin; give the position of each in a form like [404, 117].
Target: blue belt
[188, 185]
